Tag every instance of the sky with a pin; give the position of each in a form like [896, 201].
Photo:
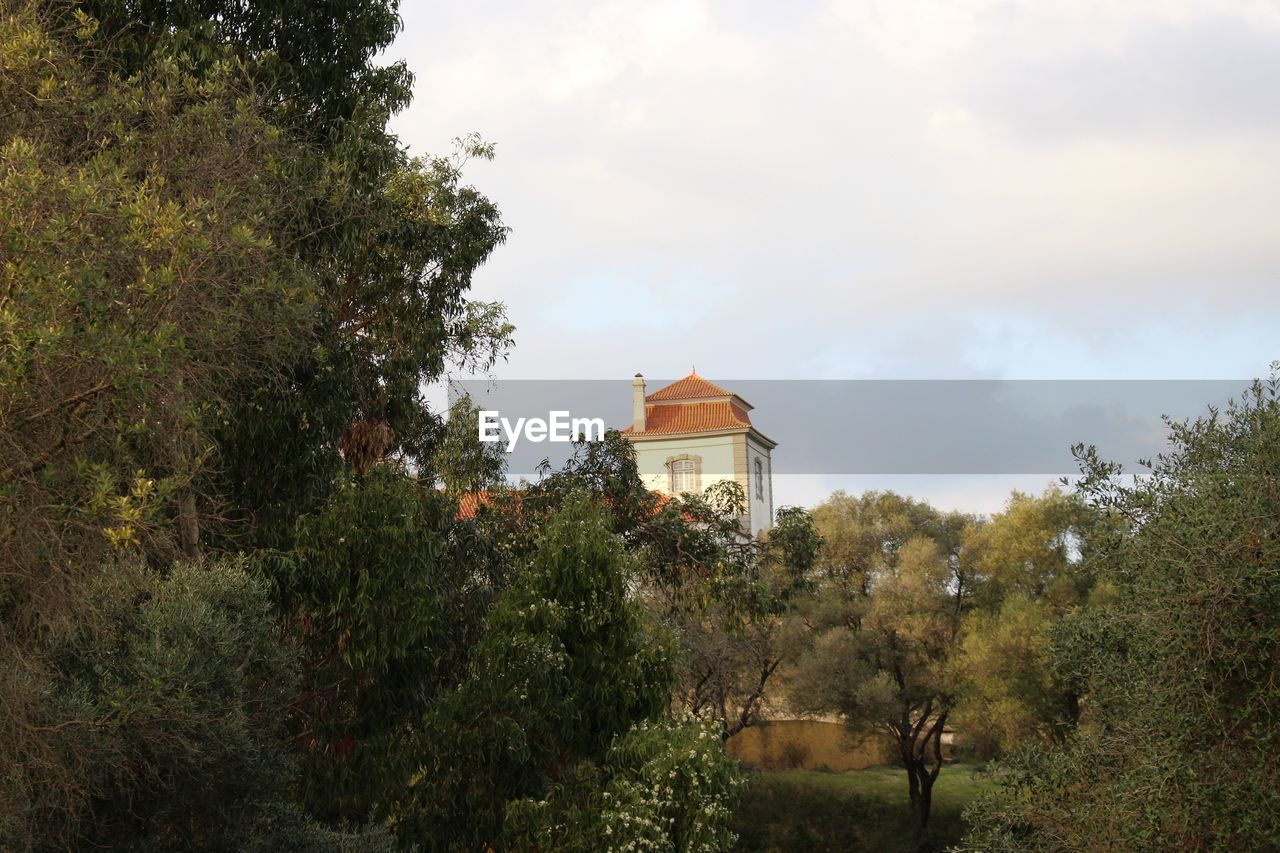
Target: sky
[886, 190]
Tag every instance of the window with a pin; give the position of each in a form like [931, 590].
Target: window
[759, 479]
[682, 476]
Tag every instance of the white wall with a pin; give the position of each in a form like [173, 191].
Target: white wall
[717, 464]
[716, 452]
[761, 509]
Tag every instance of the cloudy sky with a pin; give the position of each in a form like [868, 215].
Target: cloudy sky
[891, 189]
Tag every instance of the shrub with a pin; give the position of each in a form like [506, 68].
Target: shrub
[174, 703]
[662, 786]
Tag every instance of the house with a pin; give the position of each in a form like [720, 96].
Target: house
[693, 433]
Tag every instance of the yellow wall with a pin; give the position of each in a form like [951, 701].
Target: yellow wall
[807, 745]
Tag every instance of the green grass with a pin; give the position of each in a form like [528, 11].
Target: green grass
[867, 809]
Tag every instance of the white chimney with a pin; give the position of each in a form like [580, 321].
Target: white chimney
[637, 403]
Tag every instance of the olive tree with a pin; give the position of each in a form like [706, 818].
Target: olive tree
[1178, 743]
[881, 632]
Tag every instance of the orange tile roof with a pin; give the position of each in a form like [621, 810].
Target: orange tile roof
[692, 387]
[692, 417]
[469, 504]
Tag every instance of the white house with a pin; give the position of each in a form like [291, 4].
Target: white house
[693, 433]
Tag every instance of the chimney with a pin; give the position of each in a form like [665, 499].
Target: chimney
[637, 403]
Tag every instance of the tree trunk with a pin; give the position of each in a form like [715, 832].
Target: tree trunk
[920, 787]
[920, 747]
[922, 801]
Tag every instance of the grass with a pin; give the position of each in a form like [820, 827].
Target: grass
[809, 811]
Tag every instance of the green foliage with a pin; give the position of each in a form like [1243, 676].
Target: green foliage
[661, 786]
[317, 56]
[1030, 568]
[140, 284]
[863, 534]
[170, 722]
[1038, 548]
[390, 243]
[386, 593]
[1178, 749]
[1012, 695]
[395, 250]
[566, 666]
[605, 470]
[461, 463]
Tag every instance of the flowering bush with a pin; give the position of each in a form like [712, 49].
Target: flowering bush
[662, 786]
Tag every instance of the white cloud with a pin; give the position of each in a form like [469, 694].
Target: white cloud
[870, 187]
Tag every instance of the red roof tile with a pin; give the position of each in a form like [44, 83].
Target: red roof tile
[469, 504]
[692, 387]
[692, 417]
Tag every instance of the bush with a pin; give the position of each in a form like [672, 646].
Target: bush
[174, 705]
[662, 786]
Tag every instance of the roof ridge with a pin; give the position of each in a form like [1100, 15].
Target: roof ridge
[690, 387]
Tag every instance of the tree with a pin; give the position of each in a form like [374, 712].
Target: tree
[391, 242]
[317, 57]
[1177, 748]
[862, 534]
[138, 273]
[1029, 567]
[567, 665]
[729, 620]
[139, 286]
[222, 287]
[386, 593]
[390, 317]
[881, 632]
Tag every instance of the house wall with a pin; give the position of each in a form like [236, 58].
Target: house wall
[716, 453]
[724, 457]
[761, 508]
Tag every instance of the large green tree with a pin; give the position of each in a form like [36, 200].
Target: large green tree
[140, 286]
[222, 287]
[386, 593]
[390, 242]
